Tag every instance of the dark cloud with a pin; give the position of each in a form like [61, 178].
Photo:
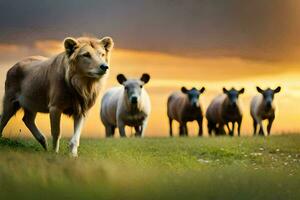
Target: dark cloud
[256, 29]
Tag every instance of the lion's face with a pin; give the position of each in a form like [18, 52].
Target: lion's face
[89, 57]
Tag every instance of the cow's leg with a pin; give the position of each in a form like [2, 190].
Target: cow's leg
[113, 130]
[108, 131]
[171, 128]
[261, 129]
[28, 119]
[216, 130]
[9, 109]
[211, 127]
[233, 127]
[221, 130]
[143, 127]
[229, 130]
[270, 125]
[200, 125]
[181, 130]
[185, 129]
[121, 127]
[75, 140]
[138, 130]
[254, 126]
[55, 115]
[239, 127]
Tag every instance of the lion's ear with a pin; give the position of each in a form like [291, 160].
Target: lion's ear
[107, 43]
[70, 45]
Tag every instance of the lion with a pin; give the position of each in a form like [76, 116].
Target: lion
[67, 83]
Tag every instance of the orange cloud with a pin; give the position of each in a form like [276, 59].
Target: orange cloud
[12, 52]
[48, 47]
[9, 48]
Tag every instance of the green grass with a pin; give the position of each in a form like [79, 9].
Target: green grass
[154, 168]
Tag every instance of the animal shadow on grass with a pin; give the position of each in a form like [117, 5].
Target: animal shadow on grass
[18, 144]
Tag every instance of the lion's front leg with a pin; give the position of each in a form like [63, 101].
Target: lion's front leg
[74, 143]
[55, 115]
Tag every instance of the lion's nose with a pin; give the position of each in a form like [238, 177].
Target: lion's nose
[104, 67]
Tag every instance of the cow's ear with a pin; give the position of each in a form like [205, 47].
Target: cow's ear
[225, 90]
[121, 78]
[277, 89]
[145, 78]
[202, 90]
[70, 44]
[259, 89]
[107, 43]
[184, 90]
[242, 91]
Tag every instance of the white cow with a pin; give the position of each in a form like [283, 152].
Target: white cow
[263, 107]
[128, 105]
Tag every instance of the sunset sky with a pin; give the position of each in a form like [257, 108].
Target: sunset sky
[180, 43]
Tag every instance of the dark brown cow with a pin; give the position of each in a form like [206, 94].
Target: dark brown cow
[225, 109]
[184, 107]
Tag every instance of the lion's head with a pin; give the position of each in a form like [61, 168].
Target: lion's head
[88, 57]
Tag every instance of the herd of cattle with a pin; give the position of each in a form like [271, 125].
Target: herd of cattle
[69, 83]
[129, 105]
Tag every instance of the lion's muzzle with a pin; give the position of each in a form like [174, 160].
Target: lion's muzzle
[104, 67]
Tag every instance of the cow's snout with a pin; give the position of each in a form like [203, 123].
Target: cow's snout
[134, 100]
[195, 104]
[268, 105]
[234, 104]
[103, 67]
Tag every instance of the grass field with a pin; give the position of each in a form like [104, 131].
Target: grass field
[154, 168]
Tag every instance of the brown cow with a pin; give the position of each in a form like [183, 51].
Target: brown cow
[223, 109]
[184, 107]
[262, 108]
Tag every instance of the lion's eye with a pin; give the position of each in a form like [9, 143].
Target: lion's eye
[102, 54]
[87, 55]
